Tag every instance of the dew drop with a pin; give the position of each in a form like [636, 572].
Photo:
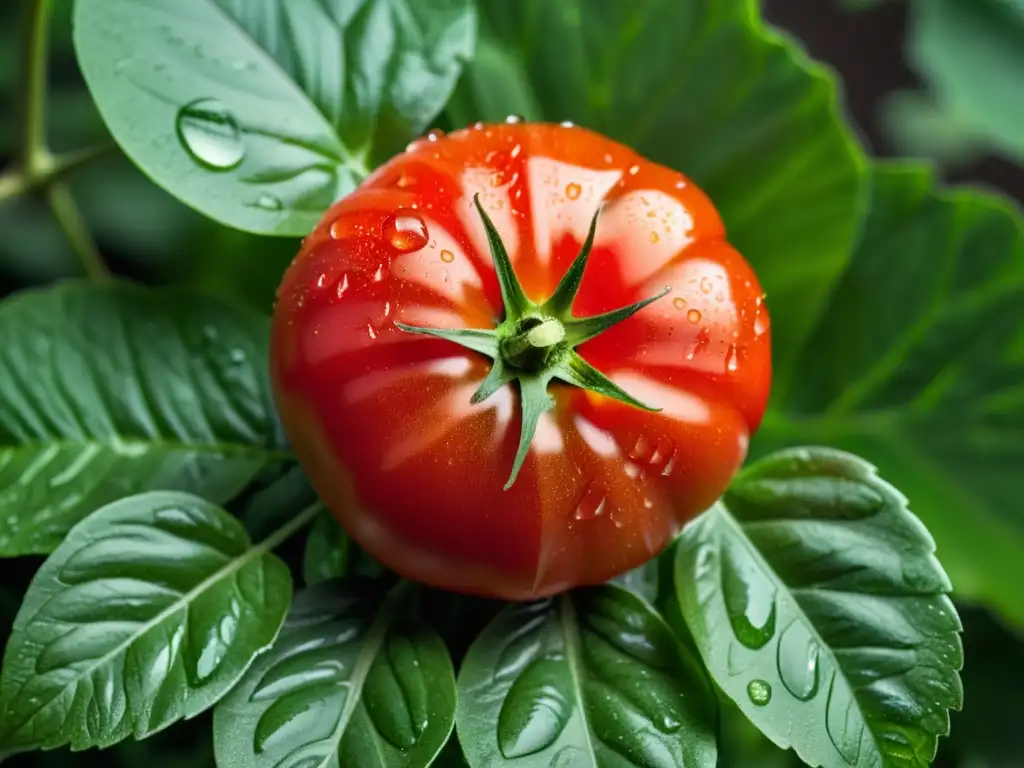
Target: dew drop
[759, 692]
[693, 316]
[749, 599]
[797, 661]
[210, 134]
[573, 190]
[731, 359]
[593, 502]
[447, 256]
[405, 230]
[435, 134]
[514, 119]
[679, 303]
[760, 324]
[268, 203]
[654, 237]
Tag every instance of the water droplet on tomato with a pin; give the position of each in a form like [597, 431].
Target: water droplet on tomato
[634, 170]
[435, 134]
[760, 324]
[705, 285]
[567, 124]
[514, 119]
[447, 256]
[322, 280]
[680, 185]
[405, 181]
[573, 190]
[592, 503]
[371, 331]
[210, 134]
[515, 151]
[693, 316]
[654, 237]
[378, 274]
[405, 230]
[731, 359]
[679, 302]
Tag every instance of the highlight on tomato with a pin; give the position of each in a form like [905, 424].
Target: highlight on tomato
[518, 358]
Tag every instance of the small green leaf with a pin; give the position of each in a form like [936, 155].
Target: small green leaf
[970, 53]
[148, 613]
[353, 680]
[263, 114]
[591, 678]
[917, 366]
[700, 86]
[327, 551]
[818, 606]
[109, 390]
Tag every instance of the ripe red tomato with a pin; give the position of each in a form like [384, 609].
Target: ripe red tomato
[381, 416]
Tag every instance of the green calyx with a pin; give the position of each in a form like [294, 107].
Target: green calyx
[536, 343]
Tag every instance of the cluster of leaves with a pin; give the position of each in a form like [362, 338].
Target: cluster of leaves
[141, 454]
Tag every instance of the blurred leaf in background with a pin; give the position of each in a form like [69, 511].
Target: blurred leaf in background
[969, 54]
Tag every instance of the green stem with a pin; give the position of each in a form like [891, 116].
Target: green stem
[293, 526]
[48, 169]
[30, 96]
[530, 349]
[65, 210]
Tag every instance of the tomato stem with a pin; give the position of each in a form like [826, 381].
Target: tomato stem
[535, 344]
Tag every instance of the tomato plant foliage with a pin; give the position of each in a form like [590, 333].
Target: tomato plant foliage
[142, 455]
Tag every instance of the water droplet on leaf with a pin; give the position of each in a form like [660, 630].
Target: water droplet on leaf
[210, 134]
[759, 692]
[797, 661]
[749, 598]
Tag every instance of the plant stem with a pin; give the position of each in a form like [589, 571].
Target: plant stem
[30, 96]
[293, 526]
[70, 219]
[15, 182]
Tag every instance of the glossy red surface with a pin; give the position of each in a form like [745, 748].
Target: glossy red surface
[381, 419]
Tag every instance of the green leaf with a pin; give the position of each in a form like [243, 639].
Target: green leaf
[327, 551]
[818, 606]
[702, 87]
[970, 53]
[918, 365]
[148, 613]
[591, 678]
[261, 115]
[353, 680]
[109, 390]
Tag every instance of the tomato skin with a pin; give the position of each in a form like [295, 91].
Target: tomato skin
[381, 419]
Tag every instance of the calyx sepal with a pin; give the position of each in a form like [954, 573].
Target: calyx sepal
[535, 343]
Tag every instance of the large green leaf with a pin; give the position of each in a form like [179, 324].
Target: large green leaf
[111, 390]
[819, 608]
[327, 551]
[970, 53]
[149, 612]
[591, 678]
[261, 114]
[354, 680]
[702, 87]
[918, 366]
